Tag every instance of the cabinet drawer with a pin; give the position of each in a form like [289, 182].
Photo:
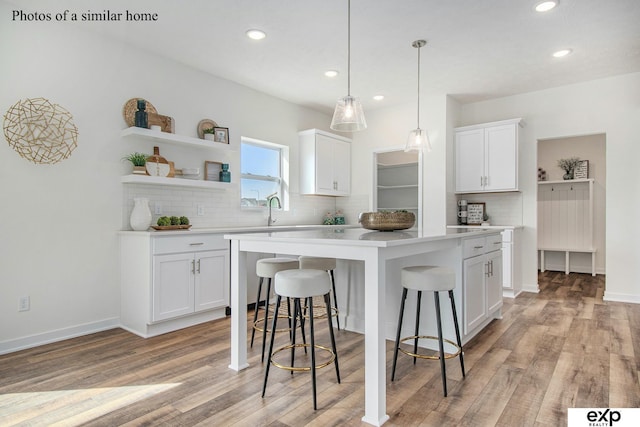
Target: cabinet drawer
[188, 243]
[473, 247]
[493, 243]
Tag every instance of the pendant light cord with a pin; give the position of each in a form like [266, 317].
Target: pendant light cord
[419, 87]
[349, 48]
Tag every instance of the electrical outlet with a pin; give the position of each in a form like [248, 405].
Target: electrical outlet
[25, 304]
[158, 208]
[200, 209]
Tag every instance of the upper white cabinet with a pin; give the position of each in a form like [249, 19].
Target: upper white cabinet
[325, 163]
[486, 157]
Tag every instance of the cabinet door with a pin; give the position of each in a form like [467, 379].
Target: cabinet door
[325, 165]
[475, 301]
[211, 286]
[342, 167]
[494, 281]
[469, 152]
[172, 285]
[501, 153]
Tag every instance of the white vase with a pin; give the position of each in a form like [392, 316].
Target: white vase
[140, 219]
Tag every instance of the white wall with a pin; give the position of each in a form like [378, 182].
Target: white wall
[610, 106]
[59, 222]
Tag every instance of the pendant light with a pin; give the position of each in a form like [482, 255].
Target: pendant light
[418, 138]
[348, 115]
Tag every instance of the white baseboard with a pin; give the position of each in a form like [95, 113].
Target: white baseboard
[610, 296]
[17, 344]
[531, 288]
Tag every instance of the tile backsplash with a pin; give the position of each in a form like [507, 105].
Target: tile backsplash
[502, 208]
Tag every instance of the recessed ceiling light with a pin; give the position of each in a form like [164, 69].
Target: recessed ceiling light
[562, 53]
[331, 73]
[546, 6]
[256, 34]
[378, 97]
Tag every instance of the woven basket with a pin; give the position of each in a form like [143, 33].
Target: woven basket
[387, 221]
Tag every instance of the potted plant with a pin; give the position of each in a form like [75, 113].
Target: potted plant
[138, 160]
[568, 166]
[209, 134]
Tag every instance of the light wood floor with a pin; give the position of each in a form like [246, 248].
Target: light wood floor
[560, 348]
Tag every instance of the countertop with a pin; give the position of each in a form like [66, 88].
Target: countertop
[488, 227]
[241, 229]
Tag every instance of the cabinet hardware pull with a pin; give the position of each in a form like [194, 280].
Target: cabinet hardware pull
[491, 267]
[193, 267]
[198, 266]
[196, 244]
[478, 247]
[486, 269]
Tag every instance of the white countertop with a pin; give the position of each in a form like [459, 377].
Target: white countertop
[488, 227]
[241, 229]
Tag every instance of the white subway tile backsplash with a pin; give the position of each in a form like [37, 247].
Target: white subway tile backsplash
[502, 208]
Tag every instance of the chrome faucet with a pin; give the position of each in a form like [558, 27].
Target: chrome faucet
[271, 198]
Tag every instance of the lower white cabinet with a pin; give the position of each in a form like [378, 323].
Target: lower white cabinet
[169, 282]
[482, 276]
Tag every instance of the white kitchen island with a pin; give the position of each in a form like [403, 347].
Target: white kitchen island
[377, 250]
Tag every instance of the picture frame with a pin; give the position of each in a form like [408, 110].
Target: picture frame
[582, 170]
[475, 213]
[212, 170]
[221, 135]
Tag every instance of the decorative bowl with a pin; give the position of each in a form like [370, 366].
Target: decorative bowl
[387, 221]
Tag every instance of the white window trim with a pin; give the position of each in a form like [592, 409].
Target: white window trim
[284, 171]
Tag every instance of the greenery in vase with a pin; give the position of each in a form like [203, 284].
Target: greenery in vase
[569, 165]
[137, 159]
[209, 130]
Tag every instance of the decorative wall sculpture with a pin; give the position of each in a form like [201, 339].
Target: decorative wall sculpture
[40, 131]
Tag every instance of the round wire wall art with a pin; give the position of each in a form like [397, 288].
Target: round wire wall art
[40, 131]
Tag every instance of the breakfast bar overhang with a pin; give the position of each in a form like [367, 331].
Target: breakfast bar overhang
[374, 248]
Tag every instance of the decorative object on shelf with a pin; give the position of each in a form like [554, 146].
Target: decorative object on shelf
[328, 219]
[205, 124]
[166, 123]
[387, 221]
[542, 174]
[190, 173]
[462, 212]
[130, 107]
[225, 175]
[348, 115]
[212, 170]
[140, 219]
[338, 218]
[209, 134]
[475, 213]
[568, 166]
[157, 165]
[40, 131]
[141, 117]
[138, 160]
[172, 223]
[156, 128]
[418, 138]
[221, 135]
[582, 170]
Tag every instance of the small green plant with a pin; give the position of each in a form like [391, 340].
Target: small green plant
[209, 130]
[174, 220]
[164, 220]
[184, 220]
[568, 165]
[137, 159]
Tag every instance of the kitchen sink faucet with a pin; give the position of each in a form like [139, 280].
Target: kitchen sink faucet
[270, 198]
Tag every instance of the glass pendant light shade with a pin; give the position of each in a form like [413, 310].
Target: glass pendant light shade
[418, 139]
[348, 115]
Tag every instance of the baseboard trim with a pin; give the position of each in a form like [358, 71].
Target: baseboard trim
[31, 341]
[531, 288]
[614, 297]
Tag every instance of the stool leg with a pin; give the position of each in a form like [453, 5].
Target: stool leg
[415, 341]
[313, 353]
[327, 302]
[292, 325]
[335, 299]
[255, 314]
[273, 328]
[301, 317]
[395, 350]
[266, 318]
[441, 344]
[455, 322]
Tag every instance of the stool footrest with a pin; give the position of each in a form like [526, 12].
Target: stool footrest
[424, 356]
[302, 368]
[269, 319]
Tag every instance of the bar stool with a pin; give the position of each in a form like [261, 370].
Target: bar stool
[435, 279]
[327, 264]
[267, 268]
[305, 284]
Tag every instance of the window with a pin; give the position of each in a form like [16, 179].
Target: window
[264, 171]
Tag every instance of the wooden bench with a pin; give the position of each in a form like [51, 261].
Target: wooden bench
[567, 251]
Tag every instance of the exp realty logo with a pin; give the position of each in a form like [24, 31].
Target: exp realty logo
[603, 417]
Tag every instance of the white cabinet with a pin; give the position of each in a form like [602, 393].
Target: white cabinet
[325, 163]
[486, 157]
[171, 281]
[511, 265]
[482, 276]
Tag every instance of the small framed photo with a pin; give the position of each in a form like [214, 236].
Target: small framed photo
[582, 170]
[212, 170]
[475, 213]
[221, 135]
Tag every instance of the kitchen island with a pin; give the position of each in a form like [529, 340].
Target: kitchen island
[377, 250]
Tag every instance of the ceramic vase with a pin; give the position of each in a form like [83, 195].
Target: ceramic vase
[140, 219]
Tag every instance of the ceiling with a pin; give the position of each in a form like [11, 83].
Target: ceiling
[477, 49]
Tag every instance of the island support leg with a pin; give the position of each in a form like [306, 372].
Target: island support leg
[238, 308]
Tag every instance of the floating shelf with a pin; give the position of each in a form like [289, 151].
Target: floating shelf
[177, 182]
[566, 181]
[393, 187]
[172, 138]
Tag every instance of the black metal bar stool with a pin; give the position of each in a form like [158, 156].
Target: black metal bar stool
[302, 284]
[328, 265]
[435, 279]
[267, 268]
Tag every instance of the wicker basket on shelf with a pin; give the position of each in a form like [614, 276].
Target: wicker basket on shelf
[387, 221]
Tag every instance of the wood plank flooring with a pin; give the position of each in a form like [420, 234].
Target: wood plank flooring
[563, 347]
